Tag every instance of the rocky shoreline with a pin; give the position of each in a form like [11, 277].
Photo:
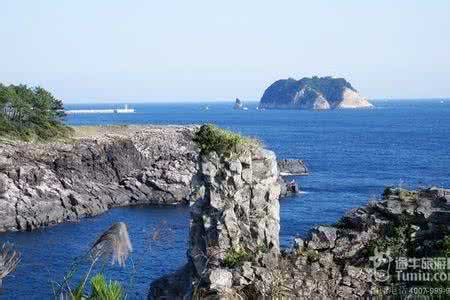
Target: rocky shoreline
[103, 167]
[234, 248]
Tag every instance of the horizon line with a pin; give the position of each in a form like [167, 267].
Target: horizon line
[223, 101]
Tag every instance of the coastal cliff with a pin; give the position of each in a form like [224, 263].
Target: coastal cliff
[234, 251]
[234, 216]
[316, 93]
[103, 167]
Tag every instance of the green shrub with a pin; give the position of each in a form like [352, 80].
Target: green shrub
[397, 241]
[402, 194]
[235, 257]
[310, 254]
[101, 290]
[210, 138]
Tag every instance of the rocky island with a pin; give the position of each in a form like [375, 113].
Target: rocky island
[316, 93]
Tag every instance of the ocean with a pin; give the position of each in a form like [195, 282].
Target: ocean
[351, 154]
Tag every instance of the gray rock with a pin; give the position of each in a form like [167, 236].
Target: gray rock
[44, 184]
[220, 279]
[238, 217]
[299, 244]
[292, 167]
[322, 237]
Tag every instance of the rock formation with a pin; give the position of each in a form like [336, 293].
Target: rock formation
[42, 184]
[333, 262]
[234, 216]
[336, 261]
[238, 104]
[312, 93]
[289, 167]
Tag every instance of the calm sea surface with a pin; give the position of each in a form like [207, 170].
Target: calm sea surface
[352, 155]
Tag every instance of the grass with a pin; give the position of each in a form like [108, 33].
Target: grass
[92, 131]
[106, 291]
[235, 257]
[33, 133]
[210, 138]
[397, 242]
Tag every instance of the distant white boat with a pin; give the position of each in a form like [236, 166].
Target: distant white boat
[442, 101]
[245, 108]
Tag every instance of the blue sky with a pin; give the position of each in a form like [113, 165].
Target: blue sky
[110, 50]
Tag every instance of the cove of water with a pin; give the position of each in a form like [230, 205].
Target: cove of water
[352, 155]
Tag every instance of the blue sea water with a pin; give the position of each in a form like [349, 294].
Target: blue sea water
[352, 155]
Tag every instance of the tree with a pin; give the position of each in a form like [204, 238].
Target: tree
[30, 113]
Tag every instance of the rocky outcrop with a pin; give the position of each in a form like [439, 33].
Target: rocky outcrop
[238, 104]
[42, 184]
[333, 262]
[234, 217]
[316, 93]
[337, 261]
[289, 167]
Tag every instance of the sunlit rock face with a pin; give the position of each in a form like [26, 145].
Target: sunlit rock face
[316, 93]
[44, 184]
[234, 229]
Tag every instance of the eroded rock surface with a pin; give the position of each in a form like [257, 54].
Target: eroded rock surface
[292, 167]
[42, 184]
[234, 217]
[333, 262]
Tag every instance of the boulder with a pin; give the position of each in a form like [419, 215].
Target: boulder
[322, 237]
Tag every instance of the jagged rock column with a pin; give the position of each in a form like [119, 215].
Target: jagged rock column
[235, 217]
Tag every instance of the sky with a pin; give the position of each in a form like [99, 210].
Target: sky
[178, 50]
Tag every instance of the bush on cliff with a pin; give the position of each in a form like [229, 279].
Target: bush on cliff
[30, 114]
[210, 138]
[235, 257]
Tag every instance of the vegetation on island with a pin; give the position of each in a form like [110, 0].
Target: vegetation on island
[31, 114]
[210, 138]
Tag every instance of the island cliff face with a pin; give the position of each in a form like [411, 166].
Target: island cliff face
[43, 184]
[316, 93]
